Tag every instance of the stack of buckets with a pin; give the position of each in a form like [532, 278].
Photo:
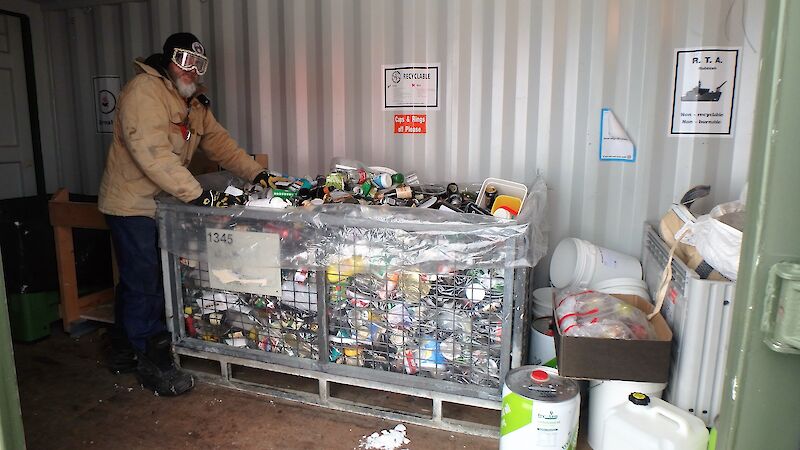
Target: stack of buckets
[577, 263]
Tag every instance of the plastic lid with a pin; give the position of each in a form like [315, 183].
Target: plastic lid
[637, 398]
[540, 376]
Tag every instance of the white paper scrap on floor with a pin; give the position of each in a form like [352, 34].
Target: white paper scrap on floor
[393, 439]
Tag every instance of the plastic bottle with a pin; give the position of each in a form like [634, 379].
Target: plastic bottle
[383, 181]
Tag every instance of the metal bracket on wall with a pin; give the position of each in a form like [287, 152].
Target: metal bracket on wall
[781, 320]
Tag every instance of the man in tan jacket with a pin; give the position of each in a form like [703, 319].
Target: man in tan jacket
[163, 117]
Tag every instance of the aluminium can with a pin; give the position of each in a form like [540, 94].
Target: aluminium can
[540, 410]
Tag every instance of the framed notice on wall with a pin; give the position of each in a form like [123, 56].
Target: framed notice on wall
[410, 86]
[106, 91]
[703, 91]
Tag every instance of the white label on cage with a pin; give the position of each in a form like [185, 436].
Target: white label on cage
[244, 261]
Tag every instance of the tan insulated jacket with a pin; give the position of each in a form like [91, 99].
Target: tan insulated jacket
[149, 152]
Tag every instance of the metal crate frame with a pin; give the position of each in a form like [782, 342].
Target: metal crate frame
[701, 326]
[513, 354]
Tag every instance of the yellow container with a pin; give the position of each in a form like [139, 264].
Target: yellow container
[508, 201]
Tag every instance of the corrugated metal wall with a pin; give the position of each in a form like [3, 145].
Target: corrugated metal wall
[522, 85]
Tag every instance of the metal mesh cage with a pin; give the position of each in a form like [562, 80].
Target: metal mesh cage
[390, 296]
[445, 326]
[286, 324]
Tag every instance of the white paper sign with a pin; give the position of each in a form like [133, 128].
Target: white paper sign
[704, 91]
[244, 261]
[411, 86]
[615, 144]
[106, 92]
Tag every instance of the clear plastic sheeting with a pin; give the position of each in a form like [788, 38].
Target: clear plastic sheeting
[315, 237]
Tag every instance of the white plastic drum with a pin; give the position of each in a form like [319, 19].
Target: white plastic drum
[543, 302]
[540, 410]
[579, 263]
[606, 394]
[542, 346]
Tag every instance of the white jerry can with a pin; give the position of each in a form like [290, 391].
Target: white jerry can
[644, 423]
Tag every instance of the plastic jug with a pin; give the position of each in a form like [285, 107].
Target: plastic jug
[644, 423]
[604, 395]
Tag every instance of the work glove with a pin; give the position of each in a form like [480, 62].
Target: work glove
[218, 199]
[262, 178]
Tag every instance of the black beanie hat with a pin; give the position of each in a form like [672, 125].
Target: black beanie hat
[186, 41]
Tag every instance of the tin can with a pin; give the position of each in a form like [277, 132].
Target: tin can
[404, 192]
[490, 195]
[540, 410]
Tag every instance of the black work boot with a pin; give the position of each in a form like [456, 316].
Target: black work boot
[157, 371]
[123, 356]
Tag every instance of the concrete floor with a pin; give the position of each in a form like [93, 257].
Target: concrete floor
[70, 401]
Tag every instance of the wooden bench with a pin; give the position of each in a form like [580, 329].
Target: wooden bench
[64, 216]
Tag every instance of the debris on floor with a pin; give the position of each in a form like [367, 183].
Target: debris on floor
[394, 439]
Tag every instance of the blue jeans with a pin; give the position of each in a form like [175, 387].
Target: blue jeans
[139, 303]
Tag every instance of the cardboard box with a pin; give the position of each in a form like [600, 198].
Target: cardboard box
[617, 359]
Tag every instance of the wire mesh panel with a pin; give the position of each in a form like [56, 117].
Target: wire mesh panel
[287, 324]
[444, 325]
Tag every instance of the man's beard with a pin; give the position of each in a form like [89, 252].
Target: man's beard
[185, 89]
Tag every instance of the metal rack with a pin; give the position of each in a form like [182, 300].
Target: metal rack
[699, 312]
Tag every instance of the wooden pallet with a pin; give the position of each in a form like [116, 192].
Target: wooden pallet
[458, 413]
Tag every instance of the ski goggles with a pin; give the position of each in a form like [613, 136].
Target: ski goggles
[188, 60]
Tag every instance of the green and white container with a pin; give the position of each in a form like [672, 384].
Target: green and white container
[540, 410]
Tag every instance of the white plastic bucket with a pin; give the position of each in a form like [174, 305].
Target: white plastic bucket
[579, 263]
[629, 286]
[542, 302]
[542, 348]
[606, 394]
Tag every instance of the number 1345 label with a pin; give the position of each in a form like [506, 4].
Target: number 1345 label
[244, 261]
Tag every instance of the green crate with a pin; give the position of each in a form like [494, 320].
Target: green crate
[32, 314]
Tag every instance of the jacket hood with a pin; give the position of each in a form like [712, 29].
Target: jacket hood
[153, 65]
